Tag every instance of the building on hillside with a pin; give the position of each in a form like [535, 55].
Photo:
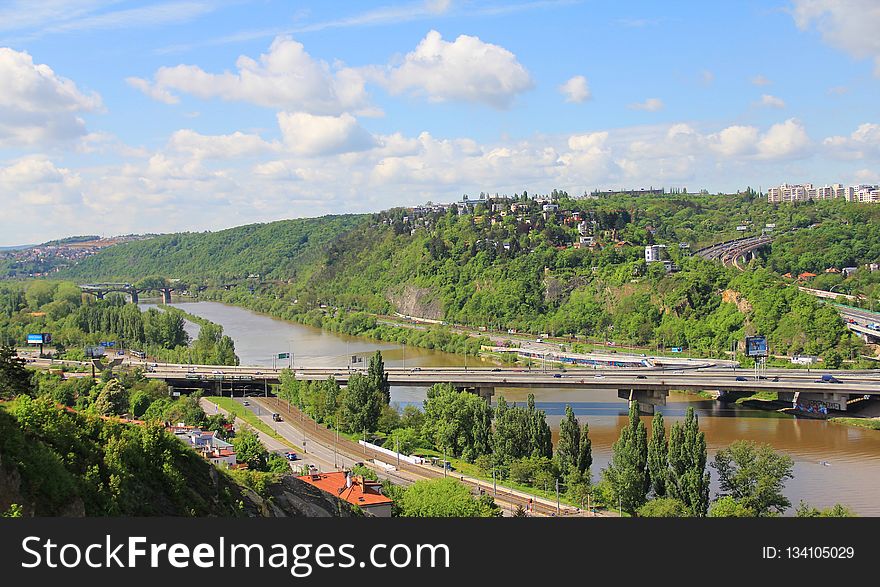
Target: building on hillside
[354, 489]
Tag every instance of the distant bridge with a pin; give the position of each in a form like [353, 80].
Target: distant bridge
[99, 290]
[730, 252]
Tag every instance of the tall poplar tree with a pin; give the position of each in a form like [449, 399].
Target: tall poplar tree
[627, 473]
[568, 445]
[379, 377]
[658, 449]
[688, 479]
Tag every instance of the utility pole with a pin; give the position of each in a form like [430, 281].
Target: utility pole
[444, 461]
[557, 496]
[397, 450]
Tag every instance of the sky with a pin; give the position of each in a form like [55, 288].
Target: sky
[123, 116]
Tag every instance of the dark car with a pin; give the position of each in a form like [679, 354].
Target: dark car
[741, 378]
[291, 456]
[496, 370]
[557, 375]
[826, 378]
[641, 377]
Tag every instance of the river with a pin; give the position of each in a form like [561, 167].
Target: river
[851, 475]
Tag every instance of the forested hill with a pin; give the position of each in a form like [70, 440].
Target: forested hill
[276, 250]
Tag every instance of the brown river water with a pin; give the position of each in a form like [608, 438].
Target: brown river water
[833, 463]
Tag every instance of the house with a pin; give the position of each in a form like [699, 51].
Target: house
[354, 489]
[806, 275]
[847, 271]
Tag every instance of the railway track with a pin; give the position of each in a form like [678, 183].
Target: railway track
[356, 451]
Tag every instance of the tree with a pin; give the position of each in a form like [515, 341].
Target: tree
[805, 510]
[727, 507]
[585, 451]
[361, 404]
[658, 449]
[249, 449]
[113, 399]
[627, 473]
[443, 498]
[457, 422]
[687, 478]
[15, 378]
[665, 507]
[568, 445]
[754, 475]
[379, 377]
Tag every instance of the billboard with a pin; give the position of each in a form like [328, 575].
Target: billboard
[93, 352]
[42, 338]
[756, 346]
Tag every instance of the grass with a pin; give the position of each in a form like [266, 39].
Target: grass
[858, 422]
[248, 416]
[761, 396]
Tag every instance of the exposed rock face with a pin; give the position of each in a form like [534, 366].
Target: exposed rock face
[734, 297]
[294, 498]
[417, 301]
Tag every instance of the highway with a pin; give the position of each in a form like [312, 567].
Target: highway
[646, 378]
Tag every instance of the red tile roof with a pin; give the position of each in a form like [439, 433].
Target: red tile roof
[361, 492]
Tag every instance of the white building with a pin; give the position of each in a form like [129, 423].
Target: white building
[804, 192]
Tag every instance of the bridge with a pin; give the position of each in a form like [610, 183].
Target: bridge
[99, 290]
[858, 320]
[730, 252]
[648, 386]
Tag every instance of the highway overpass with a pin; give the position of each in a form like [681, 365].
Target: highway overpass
[648, 386]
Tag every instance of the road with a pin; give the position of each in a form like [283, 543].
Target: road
[657, 379]
[320, 443]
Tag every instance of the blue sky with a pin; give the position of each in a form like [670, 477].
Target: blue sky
[131, 116]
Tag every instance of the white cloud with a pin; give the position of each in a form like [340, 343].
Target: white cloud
[232, 146]
[286, 77]
[155, 92]
[576, 90]
[308, 134]
[772, 101]
[861, 143]
[784, 140]
[36, 181]
[36, 105]
[760, 80]
[466, 69]
[735, 140]
[850, 25]
[649, 105]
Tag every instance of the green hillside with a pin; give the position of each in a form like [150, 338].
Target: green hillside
[549, 264]
[275, 250]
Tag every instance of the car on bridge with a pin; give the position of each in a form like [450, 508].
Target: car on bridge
[826, 378]
[741, 378]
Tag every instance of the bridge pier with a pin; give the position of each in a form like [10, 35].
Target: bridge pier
[483, 391]
[833, 401]
[134, 296]
[166, 295]
[646, 398]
